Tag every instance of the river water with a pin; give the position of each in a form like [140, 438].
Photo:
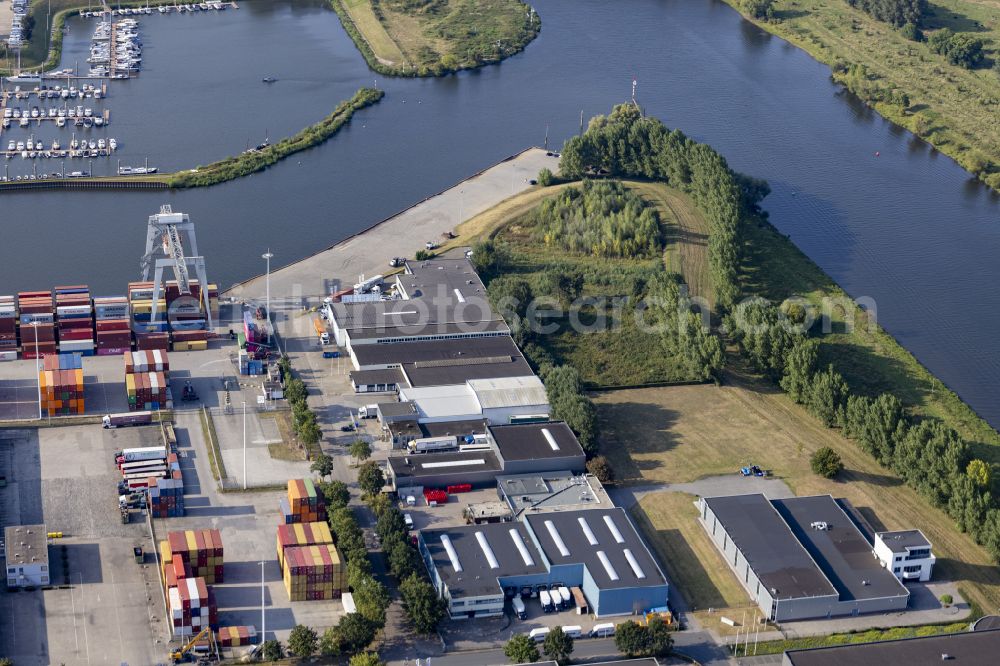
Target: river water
[907, 228]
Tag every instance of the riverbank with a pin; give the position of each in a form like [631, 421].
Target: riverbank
[952, 108]
[231, 168]
[399, 40]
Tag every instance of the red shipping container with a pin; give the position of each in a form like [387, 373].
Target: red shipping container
[112, 325]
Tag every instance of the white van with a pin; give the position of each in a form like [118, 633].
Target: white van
[546, 599]
[538, 635]
[573, 631]
[519, 608]
[566, 599]
[603, 630]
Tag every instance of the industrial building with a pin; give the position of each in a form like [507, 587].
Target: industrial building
[502, 400]
[27, 556]
[596, 550]
[536, 447]
[552, 491]
[402, 431]
[438, 277]
[800, 558]
[431, 352]
[906, 553]
[542, 447]
[973, 648]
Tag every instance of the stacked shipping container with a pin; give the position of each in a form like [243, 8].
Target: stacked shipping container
[8, 328]
[200, 550]
[236, 636]
[303, 503]
[166, 496]
[313, 573]
[75, 319]
[114, 333]
[36, 315]
[192, 606]
[61, 384]
[301, 534]
[147, 376]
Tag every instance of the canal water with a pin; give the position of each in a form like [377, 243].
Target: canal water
[880, 211]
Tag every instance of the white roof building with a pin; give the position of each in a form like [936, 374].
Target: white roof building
[497, 400]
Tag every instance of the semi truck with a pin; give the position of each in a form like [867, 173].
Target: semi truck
[321, 332]
[368, 412]
[143, 466]
[428, 444]
[143, 453]
[127, 419]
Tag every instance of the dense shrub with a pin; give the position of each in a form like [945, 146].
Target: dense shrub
[601, 218]
[896, 12]
[826, 462]
[959, 48]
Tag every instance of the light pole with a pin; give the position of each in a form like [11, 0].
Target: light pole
[267, 281]
[38, 376]
[263, 619]
[244, 445]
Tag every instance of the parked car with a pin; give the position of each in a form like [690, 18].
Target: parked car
[430, 245]
[408, 520]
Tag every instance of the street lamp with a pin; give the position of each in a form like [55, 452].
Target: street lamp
[38, 375]
[263, 619]
[267, 280]
[244, 445]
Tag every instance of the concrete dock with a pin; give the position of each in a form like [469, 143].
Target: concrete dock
[401, 235]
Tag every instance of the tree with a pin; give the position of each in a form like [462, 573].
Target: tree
[490, 258]
[336, 493]
[302, 641]
[947, 599]
[661, 642]
[826, 462]
[896, 12]
[960, 49]
[322, 465]
[403, 559]
[271, 650]
[371, 598]
[565, 285]
[353, 633]
[979, 472]
[565, 395]
[800, 364]
[632, 639]
[421, 603]
[558, 646]
[545, 177]
[329, 642]
[295, 390]
[521, 650]
[601, 468]
[827, 396]
[758, 9]
[510, 296]
[371, 478]
[366, 659]
[360, 450]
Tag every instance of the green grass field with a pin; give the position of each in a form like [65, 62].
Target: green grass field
[383, 46]
[953, 108]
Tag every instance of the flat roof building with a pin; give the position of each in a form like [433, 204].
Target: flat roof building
[547, 446]
[495, 400]
[906, 553]
[27, 562]
[597, 550]
[440, 277]
[973, 648]
[376, 357]
[552, 491]
[800, 558]
[442, 469]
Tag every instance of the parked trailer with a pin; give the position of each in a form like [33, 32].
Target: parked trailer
[143, 466]
[538, 635]
[573, 631]
[519, 608]
[368, 412]
[127, 419]
[140, 476]
[566, 601]
[428, 444]
[603, 630]
[546, 599]
[142, 453]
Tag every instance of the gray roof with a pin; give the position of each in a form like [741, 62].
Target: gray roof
[765, 540]
[425, 313]
[367, 377]
[554, 491]
[457, 428]
[524, 391]
[841, 552]
[527, 441]
[397, 408]
[435, 350]
[905, 539]
[972, 648]
[582, 551]
[441, 277]
[26, 544]
[425, 465]
[458, 370]
[477, 577]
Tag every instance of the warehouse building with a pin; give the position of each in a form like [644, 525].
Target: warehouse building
[597, 550]
[552, 491]
[403, 431]
[537, 447]
[973, 648]
[503, 400]
[800, 558]
[27, 556]
[906, 553]
[421, 470]
[438, 277]
[430, 352]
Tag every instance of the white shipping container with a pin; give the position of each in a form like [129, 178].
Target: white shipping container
[76, 345]
[7, 311]
[8, 355]
[70, 310]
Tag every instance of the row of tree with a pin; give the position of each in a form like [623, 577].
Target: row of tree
[927, 454]
[632, 639]
[255, 160]
[304, 642]
[896, 12]
[627, 144]
[960, 48]
[569, 403]
[304, 423]
[600, 218]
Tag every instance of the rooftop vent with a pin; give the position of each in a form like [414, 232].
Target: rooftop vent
[487, 550]
[522, 548]
[452, 554]
[557, 538]
[614, 529]
[587, 532]
[612, 574]
[550, 439]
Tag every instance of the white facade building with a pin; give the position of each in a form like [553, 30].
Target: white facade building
[906, 553]
[27, 556]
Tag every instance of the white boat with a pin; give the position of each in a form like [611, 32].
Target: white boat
[102, 144]
[55, 145]
[6, 123]
[11, 145]
[20, 145]
[88, 113]
[60, 122]
[92, 145]
[34, 112]
[24, 121]
[74, 144]
[113, 144]
[98, 121]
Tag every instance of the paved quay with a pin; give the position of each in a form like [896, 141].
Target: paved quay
[401, 235]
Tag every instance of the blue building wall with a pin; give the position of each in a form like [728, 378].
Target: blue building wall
[622, 601]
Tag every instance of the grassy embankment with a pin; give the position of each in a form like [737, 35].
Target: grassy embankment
[954, 109]
[406, 38]
[613, 356]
